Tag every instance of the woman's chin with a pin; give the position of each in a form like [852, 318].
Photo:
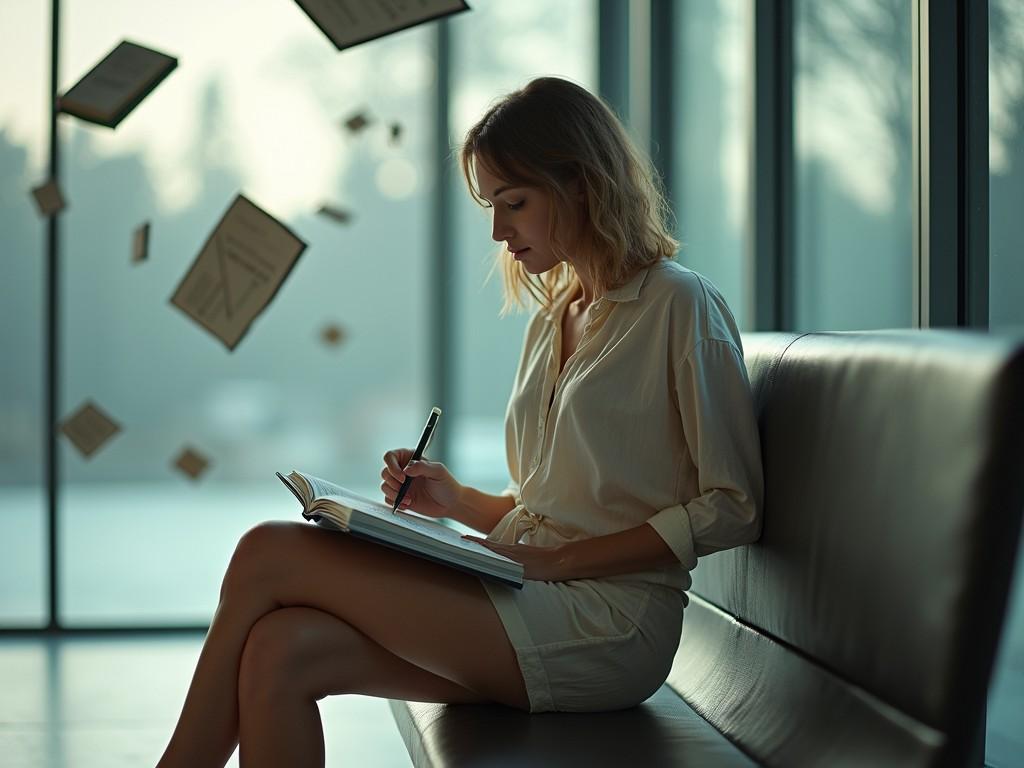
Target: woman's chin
[537, 267]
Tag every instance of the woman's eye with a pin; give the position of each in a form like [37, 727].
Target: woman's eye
[515, 206]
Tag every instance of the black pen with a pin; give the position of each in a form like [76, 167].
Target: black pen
[428, 431]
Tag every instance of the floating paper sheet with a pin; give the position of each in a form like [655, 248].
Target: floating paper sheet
[238, 271]
[49, 199]
[332, 335]
[357, 122]
[140, 244]
[351, 22]
[394, 133]
[340, 215]
[89, 428]
[191, 462]
[115, 86]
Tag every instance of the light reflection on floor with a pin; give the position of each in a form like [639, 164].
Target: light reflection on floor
[88, 702]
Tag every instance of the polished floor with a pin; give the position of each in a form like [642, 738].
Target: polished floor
[100, 702]
[110, 702]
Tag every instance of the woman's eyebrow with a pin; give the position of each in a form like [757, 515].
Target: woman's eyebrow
[504, 188]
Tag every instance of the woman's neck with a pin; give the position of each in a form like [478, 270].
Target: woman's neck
[582, 297]
[584, 293]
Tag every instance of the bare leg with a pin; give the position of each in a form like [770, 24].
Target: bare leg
[432, 617]
[296, 656]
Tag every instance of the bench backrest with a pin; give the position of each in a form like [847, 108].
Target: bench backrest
[861, 628]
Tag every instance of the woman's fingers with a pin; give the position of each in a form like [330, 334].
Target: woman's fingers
[389, 499]
[394, 461]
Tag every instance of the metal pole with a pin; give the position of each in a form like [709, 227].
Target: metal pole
[440, 305]
[52, 304]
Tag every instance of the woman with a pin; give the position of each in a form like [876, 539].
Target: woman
[632, 448]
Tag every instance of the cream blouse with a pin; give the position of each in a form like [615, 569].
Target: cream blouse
[651, 421]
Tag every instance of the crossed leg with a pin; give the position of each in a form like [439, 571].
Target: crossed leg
[304, 613]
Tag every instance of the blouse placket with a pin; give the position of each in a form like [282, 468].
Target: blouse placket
[555, 381]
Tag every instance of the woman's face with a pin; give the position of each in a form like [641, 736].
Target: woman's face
[519, 217]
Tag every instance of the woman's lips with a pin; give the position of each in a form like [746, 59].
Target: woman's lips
[517, 255]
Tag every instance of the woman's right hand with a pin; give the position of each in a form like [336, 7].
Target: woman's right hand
[434, 492]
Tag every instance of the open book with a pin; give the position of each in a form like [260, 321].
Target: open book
[335, 507]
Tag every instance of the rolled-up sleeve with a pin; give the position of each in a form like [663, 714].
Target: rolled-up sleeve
[721, 433]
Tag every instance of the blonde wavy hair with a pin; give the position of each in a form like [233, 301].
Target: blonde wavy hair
[553, 134]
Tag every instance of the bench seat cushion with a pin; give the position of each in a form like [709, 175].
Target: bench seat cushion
[663, 731]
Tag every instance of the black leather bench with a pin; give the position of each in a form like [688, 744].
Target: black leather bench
[861, 628]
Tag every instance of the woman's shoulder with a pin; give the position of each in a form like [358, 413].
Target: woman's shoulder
[692, 299]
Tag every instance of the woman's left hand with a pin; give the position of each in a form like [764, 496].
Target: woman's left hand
[539, 563]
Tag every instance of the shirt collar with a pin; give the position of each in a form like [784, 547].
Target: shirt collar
[629, 291]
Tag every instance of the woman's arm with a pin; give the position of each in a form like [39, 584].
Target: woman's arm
[630, 551]
[481, 511]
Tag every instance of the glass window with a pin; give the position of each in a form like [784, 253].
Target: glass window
[496, 48]
[709, 174]
[853, 152]
[1004, 743]
[1006, 163]
[257, 109]
[24, 164]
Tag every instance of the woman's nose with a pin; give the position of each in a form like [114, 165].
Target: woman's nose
[500, 230]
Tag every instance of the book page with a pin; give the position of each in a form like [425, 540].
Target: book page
[123, 76]
[238, 271]
[350, 22]
[293, 483]
[340, 508]
[418, 524]
[321, 487]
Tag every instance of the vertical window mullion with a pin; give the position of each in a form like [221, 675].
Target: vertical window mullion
[951, 158]
[662, 67]
[442, 292]
[52, 309]
[613, 55]
[770, 245]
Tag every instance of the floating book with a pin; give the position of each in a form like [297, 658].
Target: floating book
[115, 86]
[332, 506]
[238, 271]
[351, 22]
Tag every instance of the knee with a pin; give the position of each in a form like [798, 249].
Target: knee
[277, 652]
[256, 556]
